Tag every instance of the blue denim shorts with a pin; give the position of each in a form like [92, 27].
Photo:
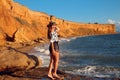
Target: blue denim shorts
[56, 46]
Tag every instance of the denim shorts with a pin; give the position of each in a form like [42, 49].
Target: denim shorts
[56, 46]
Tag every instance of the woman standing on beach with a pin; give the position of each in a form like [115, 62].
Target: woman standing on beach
[54, 49]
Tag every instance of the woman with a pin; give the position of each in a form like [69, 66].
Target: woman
[54, 49]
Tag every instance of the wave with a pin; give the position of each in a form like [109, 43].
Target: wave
[67, 39]
[39, 49]
[41, 52]
[97, 71]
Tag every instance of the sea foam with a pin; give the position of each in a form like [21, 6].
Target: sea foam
[97, 71]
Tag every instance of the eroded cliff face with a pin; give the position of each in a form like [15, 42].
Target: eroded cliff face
[19, 24]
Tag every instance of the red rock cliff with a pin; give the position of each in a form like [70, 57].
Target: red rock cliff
[18, 23]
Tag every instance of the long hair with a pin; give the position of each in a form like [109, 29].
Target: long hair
[49, 32]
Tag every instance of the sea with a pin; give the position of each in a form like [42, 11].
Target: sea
[94, 56]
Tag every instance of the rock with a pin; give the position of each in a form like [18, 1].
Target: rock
[8, 77]
[13, 60]
[2, 38]
[25, 34]
[2, 42]
[6, 3]
[8, 24]
[2, 35]
[41, 74]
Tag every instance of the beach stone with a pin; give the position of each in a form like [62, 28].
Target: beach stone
[13, 60]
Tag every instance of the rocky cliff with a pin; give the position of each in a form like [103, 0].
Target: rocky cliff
[20, 24]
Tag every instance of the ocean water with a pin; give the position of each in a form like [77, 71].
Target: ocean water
[95, 56]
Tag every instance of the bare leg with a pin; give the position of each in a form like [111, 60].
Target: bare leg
[50, 67]
[56, 61]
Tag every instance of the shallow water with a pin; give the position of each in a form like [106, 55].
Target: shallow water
[96, 56]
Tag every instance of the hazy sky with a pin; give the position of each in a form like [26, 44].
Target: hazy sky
[101, 11]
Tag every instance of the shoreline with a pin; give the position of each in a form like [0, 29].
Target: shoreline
[37, 73]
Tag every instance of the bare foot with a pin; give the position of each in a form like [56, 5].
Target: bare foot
[51, 77]
[56, 76]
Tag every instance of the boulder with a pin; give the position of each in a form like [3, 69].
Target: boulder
[12, 60]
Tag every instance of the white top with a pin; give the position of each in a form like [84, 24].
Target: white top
[54, 37]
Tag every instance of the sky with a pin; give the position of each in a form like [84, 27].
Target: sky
[86, 11]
